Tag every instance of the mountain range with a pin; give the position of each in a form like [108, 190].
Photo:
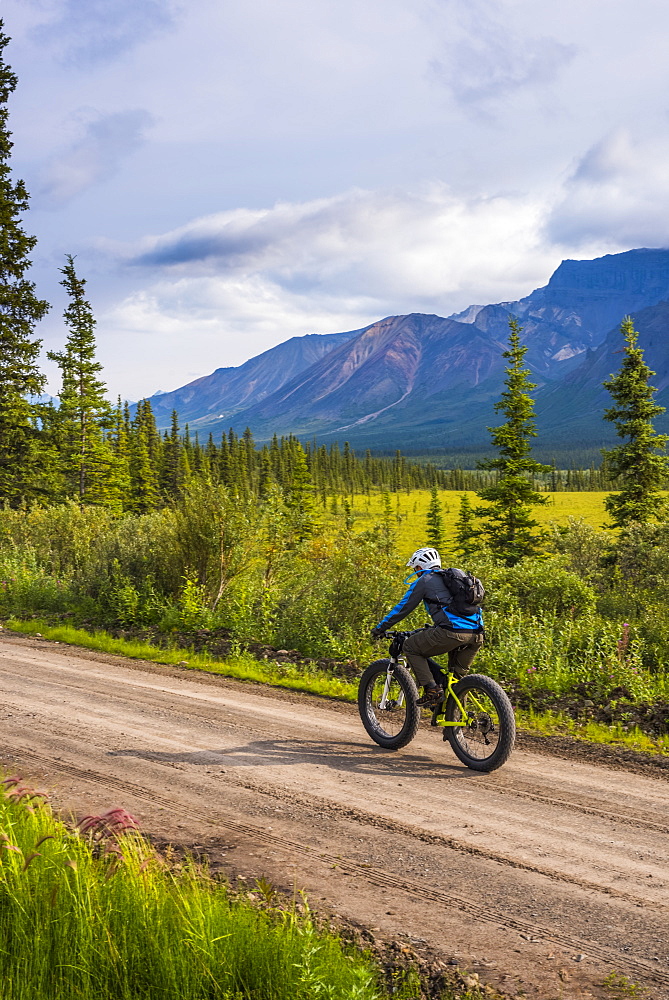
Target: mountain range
[429, 383]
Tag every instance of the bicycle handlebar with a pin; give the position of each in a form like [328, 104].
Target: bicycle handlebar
[393, 634]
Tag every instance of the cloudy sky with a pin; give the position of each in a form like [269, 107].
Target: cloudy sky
[230, 173]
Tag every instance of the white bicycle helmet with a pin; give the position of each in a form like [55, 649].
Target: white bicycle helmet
[424, 559]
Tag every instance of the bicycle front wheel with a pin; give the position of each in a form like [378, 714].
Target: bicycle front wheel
[387, 705]
[486, 731]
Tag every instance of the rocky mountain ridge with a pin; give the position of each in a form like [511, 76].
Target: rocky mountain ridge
[421, 381]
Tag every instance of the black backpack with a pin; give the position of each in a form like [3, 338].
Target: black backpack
[467, 590]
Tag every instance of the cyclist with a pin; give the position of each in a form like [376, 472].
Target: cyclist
[458, 634]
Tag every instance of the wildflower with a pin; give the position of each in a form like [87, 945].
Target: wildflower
[108, 828]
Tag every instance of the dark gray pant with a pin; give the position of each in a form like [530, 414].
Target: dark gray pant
[462, 647]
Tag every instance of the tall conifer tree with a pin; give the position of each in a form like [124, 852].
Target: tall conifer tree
[636, 463]
[466, 534]
[173, 476]
[435, 521]
[144, 442]
[299, 490]
[87, 459]
[507, 523]
[20, 310]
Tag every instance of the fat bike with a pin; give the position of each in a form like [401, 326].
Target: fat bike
[475, 714]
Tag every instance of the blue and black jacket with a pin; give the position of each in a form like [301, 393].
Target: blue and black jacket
[430, 588]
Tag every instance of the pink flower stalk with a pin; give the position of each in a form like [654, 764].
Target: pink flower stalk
[112, 824]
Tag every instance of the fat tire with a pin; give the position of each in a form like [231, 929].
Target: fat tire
[507, 723]
[412, 719]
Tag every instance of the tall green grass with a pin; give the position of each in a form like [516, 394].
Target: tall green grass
[84, 919]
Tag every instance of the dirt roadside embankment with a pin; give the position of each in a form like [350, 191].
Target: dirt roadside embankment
[544, 876]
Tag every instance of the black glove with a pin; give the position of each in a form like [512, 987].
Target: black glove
[377, 632]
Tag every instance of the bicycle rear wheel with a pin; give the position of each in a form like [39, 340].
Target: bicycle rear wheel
[387, 705]
[486, 730]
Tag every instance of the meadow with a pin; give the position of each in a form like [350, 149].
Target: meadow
[409, 512]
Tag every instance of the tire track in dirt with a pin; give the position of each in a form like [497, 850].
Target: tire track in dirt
[377, 876]
[137, 697]
[614, 817]
[426, 836]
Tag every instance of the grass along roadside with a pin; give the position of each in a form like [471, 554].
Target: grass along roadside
[614, 735]
[243, 666]
[94, 912]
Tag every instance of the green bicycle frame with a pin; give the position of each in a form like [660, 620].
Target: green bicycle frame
[438, 720]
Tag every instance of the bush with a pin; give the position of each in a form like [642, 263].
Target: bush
[25, 586]
[587, 655]
[539, 587]
[585, 548]
[334, 593]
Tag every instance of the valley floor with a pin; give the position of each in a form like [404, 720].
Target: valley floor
[409, 512]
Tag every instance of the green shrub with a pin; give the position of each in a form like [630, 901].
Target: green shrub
[335, 593]
[590, 654]
[24, 585]
[585, 548]
[537, 586]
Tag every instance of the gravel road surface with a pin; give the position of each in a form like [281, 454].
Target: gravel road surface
[542, 877]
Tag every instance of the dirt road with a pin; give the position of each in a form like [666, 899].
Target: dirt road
[544, 876]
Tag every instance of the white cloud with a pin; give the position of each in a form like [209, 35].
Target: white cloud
[95, 156]
[228, 286]
[425, 244]
[619, 192]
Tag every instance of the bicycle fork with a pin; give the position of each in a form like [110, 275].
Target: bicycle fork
[383, 703]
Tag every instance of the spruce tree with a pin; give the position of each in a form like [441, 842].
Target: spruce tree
[172, 473]
[87, 458]
[265, 481]
[119, 435]
[507, 523]
[466, 534]
[435, 521]
[211, 459]
[347, 511]
[299, 491]
[20, 310]
[637, 464]
[144, 485]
